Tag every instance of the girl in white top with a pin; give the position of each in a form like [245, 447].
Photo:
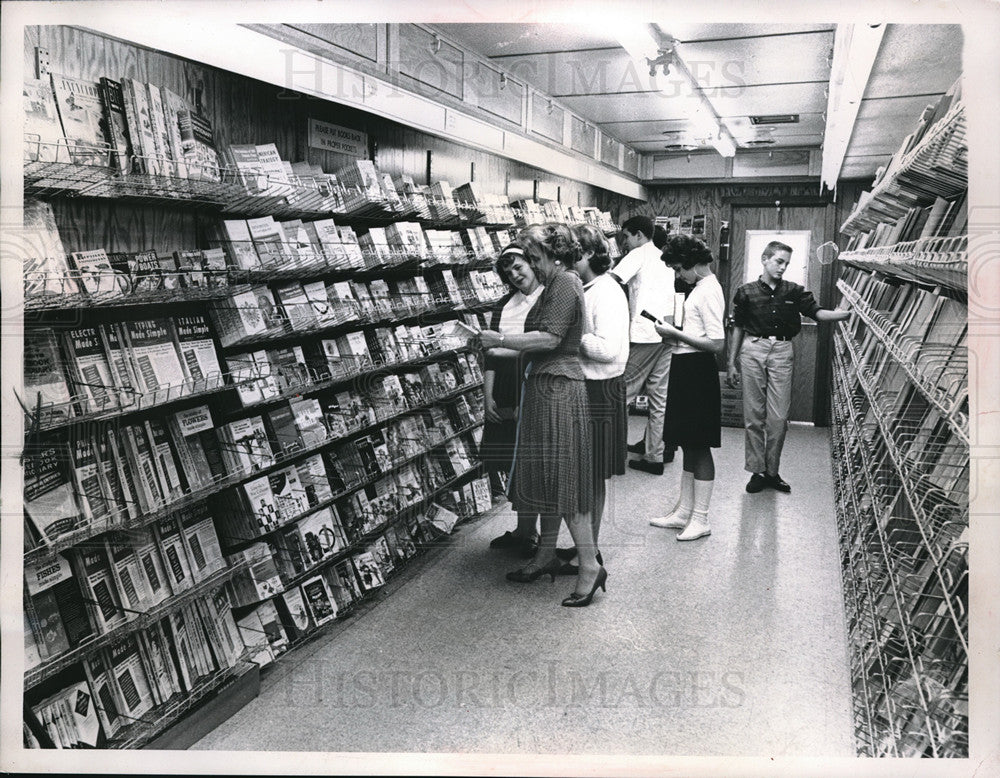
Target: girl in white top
[603, 353]
[693, 416]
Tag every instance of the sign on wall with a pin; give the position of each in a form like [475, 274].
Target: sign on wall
[797, 239]
[342, 140]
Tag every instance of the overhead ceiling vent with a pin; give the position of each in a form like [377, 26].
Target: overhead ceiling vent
[775, 118]
[679, 140]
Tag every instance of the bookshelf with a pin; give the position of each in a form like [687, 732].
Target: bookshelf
[901, 445]
[243, 414]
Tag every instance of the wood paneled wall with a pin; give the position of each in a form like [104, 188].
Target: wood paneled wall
[244, 110]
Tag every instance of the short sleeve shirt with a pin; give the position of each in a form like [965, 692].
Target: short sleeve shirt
[559, 311]
[760, 310]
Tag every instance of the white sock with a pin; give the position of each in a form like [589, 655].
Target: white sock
[681, 514]
[698, 526]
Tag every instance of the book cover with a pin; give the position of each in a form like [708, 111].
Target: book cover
[79, 105]
[299, 616]
[312, 476]
[368, 572]
[382, 554]
[316, 594]
[55, 607]
[130, 677]
[198, 144]
[201, 541]
[173, 104]
[165, 460]
[70, 717]
[140, 129]
[42, 129]
[308, 417]
[99, 677]
[161, 136]
[176, 565]
[321, 534]
[288, 492]
[89, 369]
[238, 244]
[191, 274]
[46, 271]
[97, 277]
[271, 622]
[269, 241]
[120, 362]
[346, 585]
[255, 640]
[45, 385]
[100, 589]
[154, 357]
[90, 495]
[247, 445]
[261, 502]
[154, 576]
[116, 124]
[197, 352]
[214, 263]
[237, 317]
[49, 496]
[126, 569]
[288, 366]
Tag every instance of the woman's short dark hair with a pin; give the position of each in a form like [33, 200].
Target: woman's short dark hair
[508, 255]
[553, 240]
[686, 251]
[592, 240]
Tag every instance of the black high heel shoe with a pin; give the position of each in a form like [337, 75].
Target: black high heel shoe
[568, 568]
[524, 576]
[583, 600]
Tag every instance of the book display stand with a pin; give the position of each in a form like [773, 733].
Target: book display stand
[901, 449]
[232, 443]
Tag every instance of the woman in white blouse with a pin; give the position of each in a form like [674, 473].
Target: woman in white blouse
[693, 416]
[603, 354]
[502, 380]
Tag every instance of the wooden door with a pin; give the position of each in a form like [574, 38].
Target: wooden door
[813, 218]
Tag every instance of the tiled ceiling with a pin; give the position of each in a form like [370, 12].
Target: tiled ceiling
[743, 69]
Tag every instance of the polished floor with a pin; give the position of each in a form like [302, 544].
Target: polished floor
[730, 645]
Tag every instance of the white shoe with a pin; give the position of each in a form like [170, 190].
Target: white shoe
[673, 521]
[694, 530]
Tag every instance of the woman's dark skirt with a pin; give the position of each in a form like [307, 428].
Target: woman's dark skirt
[608, 426]
[694, 401]
[553, 469]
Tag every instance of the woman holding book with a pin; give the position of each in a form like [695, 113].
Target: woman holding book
[552, 472]
[603, 355]
[503, 377]
[694, 397]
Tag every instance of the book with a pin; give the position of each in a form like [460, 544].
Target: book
[288, 367]
[97, 277]
[261, 503]
[105, 696]
[79, 104]
[99, 587]
[308, 418]
[201, 541]
[127, 671]
[49, 496]
[321, 534]
[312, 476]
[46, 271]
[89, 370]
[126, 570]
[288, 492]
[316, 593]
[368, 571]
[255, 639]
[90, 495]
[252, 376]
[176, 565]
[245, 447]
[154, 577]
[155, 358]
[116, 123]
[172, 104]
[238, 245]
[199, 360]
[54, 606]
[45, 386]
[193, 434]
[237, 317]
[269, 241]
[198, 145]
[281, 429]
[165, 460]
[299, 619]
[70, 717]
[42, 129]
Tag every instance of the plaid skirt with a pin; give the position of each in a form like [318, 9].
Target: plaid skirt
[608, 426]
[553, 470]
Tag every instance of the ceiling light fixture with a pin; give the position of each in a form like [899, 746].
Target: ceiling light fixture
[705, 122]
[855, 47]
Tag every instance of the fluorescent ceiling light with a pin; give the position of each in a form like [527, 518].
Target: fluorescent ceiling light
[855, 47]
[644, 43]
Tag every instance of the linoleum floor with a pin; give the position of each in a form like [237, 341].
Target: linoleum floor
[734, 644]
